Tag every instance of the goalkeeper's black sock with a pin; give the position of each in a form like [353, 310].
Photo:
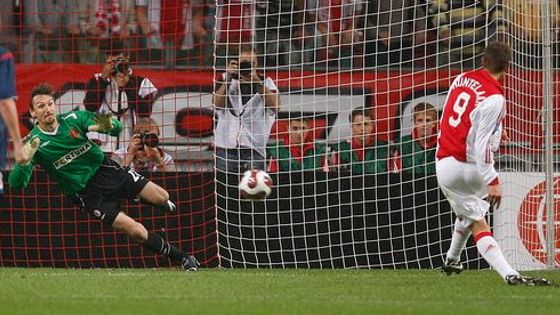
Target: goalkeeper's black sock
[157, 244]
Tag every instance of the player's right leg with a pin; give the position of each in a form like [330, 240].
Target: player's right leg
[156, 195]
[153, 242]
[490, 250]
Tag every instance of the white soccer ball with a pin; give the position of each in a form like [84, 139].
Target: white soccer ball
[255, 185]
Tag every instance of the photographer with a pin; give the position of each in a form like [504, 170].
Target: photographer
[116, 90]
[143, 152]
[246, 104]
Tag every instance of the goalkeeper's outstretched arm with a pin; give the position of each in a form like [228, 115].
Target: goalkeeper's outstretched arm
[103, 123]
[21, 174]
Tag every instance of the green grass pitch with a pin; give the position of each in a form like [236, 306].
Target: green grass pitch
[211, 291]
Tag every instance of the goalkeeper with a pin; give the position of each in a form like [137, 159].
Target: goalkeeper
[58, 144]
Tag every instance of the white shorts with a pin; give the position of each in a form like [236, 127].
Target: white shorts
[464, 188]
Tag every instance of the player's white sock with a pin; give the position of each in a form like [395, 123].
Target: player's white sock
[490, 250]
[458, 241]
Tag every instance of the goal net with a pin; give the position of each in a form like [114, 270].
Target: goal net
[348, 142]
[351, 153]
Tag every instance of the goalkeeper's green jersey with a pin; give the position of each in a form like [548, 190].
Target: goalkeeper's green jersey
[66, 154]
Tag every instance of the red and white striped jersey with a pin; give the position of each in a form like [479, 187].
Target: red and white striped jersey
[471, 124]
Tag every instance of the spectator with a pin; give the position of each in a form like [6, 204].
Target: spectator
[246, 103]
[338, 23]
[117, 90]
[418, 150]
[294, 152]
[101, 22]
[361, 154]
[8, 112]
[396, 27]
[464, 27]
[8, 27]
[144, 152]
[523, 20]
[277, 22]
[52, 23]
[170, 24]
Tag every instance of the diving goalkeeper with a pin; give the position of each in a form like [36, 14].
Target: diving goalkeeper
[96, 184]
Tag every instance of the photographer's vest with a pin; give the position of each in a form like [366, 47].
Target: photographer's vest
[244, 122]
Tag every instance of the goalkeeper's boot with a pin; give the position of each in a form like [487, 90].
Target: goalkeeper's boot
[450, 266]
[527, 281]
[190, 263]
[169, 207]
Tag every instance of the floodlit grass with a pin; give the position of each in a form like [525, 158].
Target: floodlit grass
[128, 291]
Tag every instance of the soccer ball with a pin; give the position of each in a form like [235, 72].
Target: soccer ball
[255, 185]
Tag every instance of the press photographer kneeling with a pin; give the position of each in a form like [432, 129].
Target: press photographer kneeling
[144, 152]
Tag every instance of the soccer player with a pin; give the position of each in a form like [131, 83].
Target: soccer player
[58, 143]
[471, 125]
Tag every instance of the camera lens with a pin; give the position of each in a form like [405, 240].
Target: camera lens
[121, 66]
[245, 68]
[150, 139]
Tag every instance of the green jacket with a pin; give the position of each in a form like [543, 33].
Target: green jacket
[415, 159]
[374, 162]
[286, 162]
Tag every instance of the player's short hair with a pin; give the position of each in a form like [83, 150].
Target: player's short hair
[359, 112]
[425, 108]
[497, 56]
[41, 89]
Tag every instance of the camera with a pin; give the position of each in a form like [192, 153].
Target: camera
[150, 140]
[121, 66]
[245, 69]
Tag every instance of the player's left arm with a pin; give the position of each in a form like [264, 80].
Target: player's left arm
[488, 117]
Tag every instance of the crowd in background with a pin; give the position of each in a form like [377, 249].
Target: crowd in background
[345, 33]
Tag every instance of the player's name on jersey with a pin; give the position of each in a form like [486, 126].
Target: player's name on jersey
[471, 84]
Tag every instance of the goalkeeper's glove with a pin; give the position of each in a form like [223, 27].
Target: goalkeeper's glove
[29, 149]
[104, 123]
